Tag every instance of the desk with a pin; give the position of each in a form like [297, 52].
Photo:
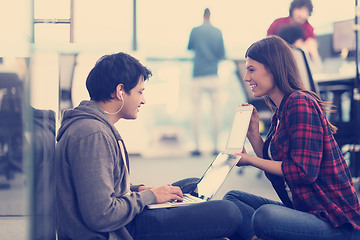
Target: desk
[340, 88]
[333, 78]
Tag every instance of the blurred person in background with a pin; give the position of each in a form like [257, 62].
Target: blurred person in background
[299, 13]
[208, 45]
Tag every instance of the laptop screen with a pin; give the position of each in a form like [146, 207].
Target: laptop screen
[215, 175]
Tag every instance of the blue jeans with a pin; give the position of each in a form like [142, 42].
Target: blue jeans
[270, 220]
[208, 220]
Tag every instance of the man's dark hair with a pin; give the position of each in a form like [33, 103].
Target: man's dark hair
[111, 70]
[207, 12]
[299, 4]
[291, 33]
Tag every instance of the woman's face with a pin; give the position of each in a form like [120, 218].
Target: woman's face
[259, 78]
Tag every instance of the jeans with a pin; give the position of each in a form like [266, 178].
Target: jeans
[270, 220]
[208, 220]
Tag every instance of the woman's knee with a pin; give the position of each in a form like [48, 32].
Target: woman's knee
[234, 195]
[263, 218]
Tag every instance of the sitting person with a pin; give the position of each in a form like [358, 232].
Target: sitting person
[299, 156]
[95, 199]
[293, 35]
[299, 13]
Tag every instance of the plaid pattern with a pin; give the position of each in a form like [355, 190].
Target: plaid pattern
[313, 165]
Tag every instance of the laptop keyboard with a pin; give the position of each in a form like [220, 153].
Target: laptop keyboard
[188, 198]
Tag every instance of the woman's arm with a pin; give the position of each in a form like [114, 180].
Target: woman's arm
[273, 167]
[257, 144]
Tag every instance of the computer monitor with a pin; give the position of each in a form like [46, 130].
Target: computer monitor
[344, 36]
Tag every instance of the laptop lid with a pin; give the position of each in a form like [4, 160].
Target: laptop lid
[239, 128]
[219, 169]
[215, 175]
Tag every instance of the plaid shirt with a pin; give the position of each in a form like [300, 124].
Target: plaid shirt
[312, 163]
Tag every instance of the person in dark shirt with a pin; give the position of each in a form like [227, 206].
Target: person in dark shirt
[299, 13]
[293, 35]
[299, 156]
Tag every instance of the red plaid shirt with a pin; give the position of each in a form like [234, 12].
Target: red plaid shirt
[313, 166]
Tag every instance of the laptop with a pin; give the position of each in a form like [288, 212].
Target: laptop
[219, 169]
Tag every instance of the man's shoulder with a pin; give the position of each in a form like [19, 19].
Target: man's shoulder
[86, 127]
[283, 19]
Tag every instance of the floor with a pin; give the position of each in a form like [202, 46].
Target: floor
[151, 171]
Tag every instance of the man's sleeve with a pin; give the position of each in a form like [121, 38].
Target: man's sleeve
[272, 29]
[191, 40]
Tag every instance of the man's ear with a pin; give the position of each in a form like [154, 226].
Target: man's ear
[119, 90]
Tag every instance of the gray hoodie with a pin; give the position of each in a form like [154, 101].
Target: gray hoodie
[92, 179]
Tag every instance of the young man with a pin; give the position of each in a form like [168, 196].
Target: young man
[95, 199]
[299, 13]
[208, 45]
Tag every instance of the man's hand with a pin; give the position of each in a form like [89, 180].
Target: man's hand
[167, 192]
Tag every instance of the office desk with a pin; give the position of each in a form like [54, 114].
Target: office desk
[340, 89]
[328, 78]
[332, 81]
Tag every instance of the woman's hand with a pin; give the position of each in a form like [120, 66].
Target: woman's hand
[245, 159]
[254, 122]
[253, 133]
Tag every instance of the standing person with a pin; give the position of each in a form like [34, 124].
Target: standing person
[208, 44]
[299, 13]
[95, 199]
[299, 156]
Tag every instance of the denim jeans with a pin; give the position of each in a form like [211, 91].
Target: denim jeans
[208, 220]
[270, 220]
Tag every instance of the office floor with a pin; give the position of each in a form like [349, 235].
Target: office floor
[152, 171]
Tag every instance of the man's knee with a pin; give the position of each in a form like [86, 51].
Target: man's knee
[230, 211]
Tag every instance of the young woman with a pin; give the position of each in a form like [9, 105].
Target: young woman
[299, 156]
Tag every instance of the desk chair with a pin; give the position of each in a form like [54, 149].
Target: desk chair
[345, 134]
[303, 64]
[11, 126]
[337, 91]
[67, 64]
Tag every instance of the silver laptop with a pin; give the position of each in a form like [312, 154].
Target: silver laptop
[216, 173]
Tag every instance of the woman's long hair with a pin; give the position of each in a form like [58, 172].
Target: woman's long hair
[275, 54]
